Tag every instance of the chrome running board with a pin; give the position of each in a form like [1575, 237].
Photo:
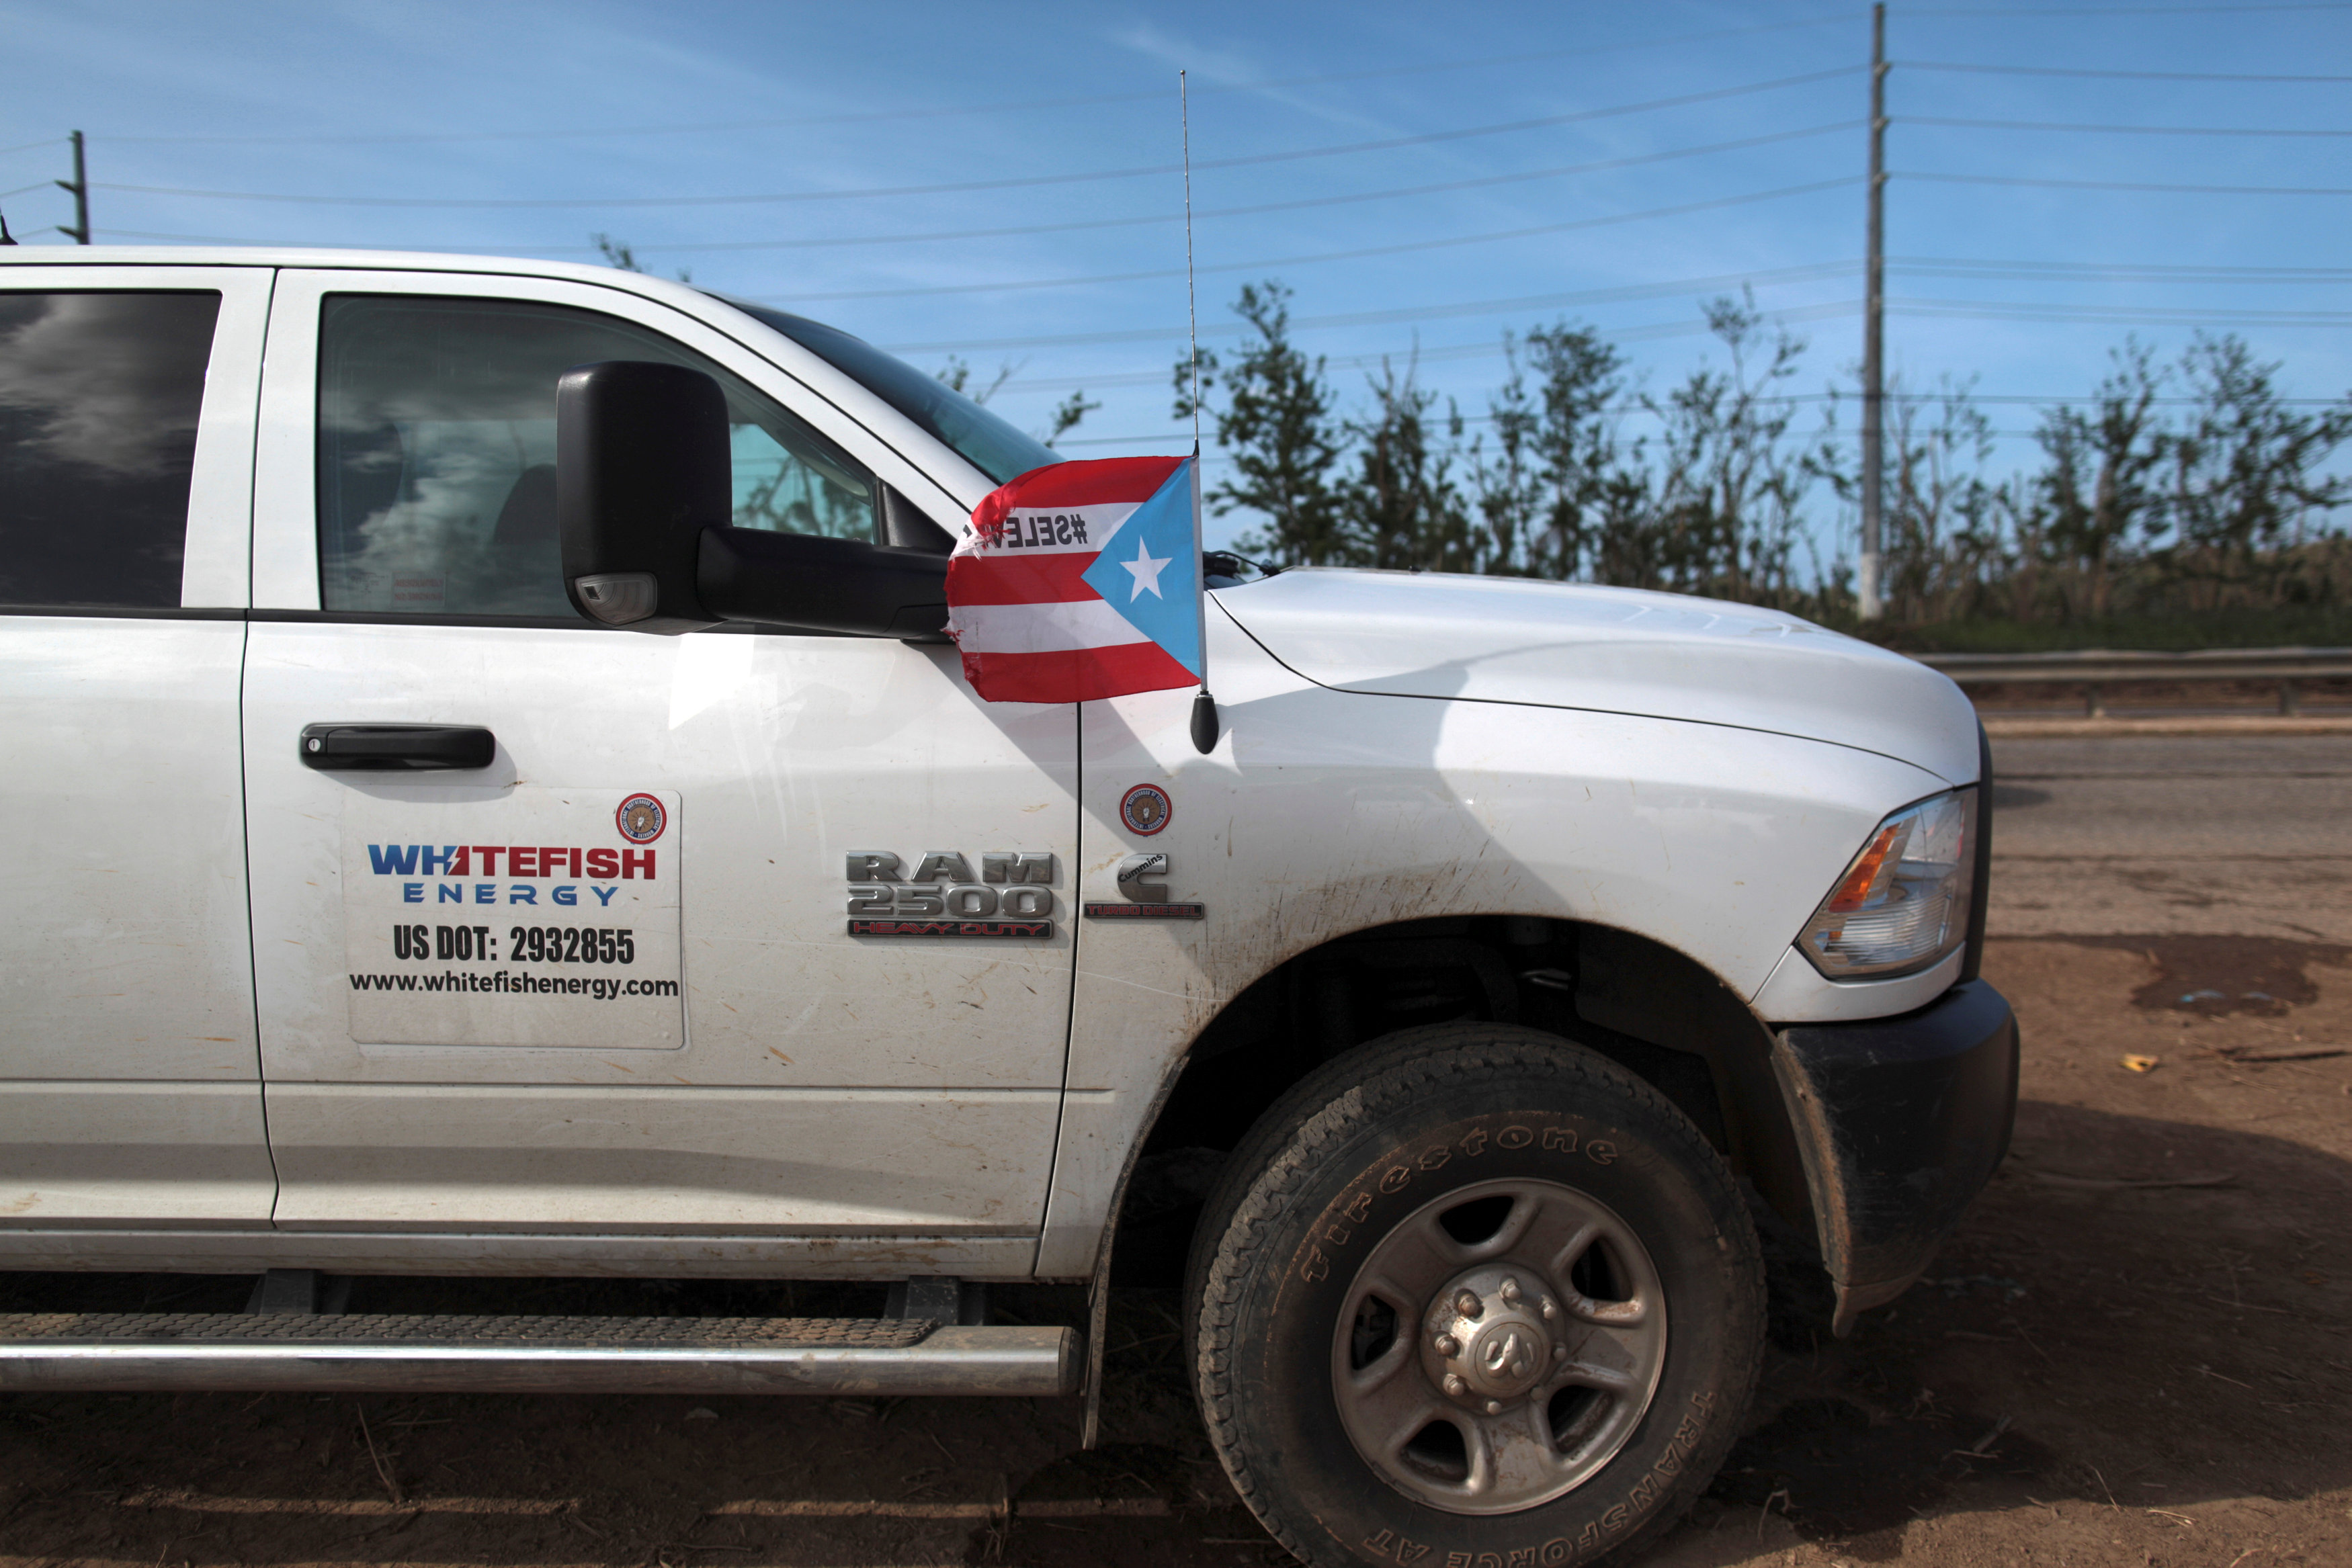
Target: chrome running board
[364, 1354]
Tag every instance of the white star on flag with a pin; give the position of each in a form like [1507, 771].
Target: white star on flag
[1146, 571]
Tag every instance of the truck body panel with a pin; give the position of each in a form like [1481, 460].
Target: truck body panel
[1611, 650]
[129, 1074]
[1325, 813]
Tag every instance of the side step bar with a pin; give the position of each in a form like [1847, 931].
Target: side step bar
[367, 1353]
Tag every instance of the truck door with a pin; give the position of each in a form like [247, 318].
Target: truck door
[605, 984]
[129, 1084]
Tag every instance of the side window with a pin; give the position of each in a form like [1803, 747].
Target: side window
[99, 397]
[436, 452]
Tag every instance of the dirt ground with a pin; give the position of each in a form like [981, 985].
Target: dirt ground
[2137, 1351]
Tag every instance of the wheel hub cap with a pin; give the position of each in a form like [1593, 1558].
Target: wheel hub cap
[1499, 1346]
[1487, 1342]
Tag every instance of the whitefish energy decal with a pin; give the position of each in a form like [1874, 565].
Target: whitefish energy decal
[544, 917]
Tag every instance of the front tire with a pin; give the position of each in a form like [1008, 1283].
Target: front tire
[1474, 1294]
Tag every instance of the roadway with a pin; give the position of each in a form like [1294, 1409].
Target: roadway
[2205, 835]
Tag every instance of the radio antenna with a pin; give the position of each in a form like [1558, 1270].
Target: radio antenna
[1191, 308]
[1204, 706]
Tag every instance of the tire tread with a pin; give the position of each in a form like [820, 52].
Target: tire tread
[1291, 1143]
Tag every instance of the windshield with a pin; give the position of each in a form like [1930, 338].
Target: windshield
[987, 442]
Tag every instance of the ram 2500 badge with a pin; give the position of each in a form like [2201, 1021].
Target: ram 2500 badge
[386, 899]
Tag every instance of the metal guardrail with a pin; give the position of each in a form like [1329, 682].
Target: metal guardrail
[2094, 669]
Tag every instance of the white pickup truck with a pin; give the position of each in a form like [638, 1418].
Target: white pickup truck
[387, 901]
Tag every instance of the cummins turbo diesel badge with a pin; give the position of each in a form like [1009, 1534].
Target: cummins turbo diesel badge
[1012, 896]
[1146, 896]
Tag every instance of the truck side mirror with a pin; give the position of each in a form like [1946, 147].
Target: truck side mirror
[816, 584]
[645, 503]
[642, 466]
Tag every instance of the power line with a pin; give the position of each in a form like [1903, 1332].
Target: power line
[706, 128]
[224, 239]
[1485, 349]
[2107, 129]
[2126, 272]
[930, 290]
[1317, 323]
[2110, 76]
[1421, 354]
[30, 146]
[2029, 398]
[2186, 316]
[1089, 100]
[1242, 161]
[1918, 435]
[1097, 99]
[1492, 348]
[2131, 185]
[2023, 312]
[1260, 208]
[1401, 248]
[2122, 10]
[1255, 209]
[1807, 273]
[1923, 265]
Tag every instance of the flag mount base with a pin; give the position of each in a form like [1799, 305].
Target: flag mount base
[1205, 724]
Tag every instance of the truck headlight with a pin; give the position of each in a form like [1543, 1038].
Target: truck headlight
[1902, 904]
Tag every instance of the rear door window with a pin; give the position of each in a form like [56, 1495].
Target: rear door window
[436, 452]
[100, 394]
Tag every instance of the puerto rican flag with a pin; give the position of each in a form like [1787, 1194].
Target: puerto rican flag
[1082, 580]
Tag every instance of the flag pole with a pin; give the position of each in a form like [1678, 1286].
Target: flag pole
[1204, 706]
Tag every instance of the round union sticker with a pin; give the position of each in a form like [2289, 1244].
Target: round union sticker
[641, 819]
[1146, 809]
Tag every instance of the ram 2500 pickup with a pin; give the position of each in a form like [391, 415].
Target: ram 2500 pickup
[473, 820]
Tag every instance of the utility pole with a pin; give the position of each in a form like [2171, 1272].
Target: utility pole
[79, 186]
[1874, 329]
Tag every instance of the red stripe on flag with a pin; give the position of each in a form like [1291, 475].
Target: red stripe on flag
[1058, 578]
[1078, 675]
[1097, 481]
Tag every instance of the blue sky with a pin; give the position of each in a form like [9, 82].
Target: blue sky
[1632, 160]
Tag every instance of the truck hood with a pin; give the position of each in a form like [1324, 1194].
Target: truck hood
[1611, 650]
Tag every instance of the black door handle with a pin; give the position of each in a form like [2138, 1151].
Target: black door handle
[397, 747]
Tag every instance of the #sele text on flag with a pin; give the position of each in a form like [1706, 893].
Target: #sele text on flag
[1082, 580]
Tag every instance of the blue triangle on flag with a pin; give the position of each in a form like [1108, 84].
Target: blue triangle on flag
[1151, 570]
